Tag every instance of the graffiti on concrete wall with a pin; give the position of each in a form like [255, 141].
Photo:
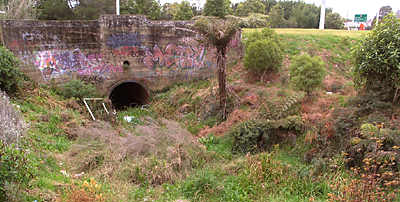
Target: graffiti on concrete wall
[54, 63]
[132, 51]
[123, 39]
[176, 57]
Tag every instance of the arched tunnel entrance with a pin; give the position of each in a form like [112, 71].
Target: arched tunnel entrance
[128, 94]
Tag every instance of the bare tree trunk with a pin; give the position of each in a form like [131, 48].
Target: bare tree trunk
[222, 81]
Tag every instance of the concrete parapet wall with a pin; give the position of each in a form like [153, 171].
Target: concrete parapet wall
[113, 48]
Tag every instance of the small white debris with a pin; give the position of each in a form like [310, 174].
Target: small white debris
[329, 93]
[64, 173]
[128, 118]
[79, 175]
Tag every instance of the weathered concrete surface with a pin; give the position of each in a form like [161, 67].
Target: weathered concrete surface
[112, 50]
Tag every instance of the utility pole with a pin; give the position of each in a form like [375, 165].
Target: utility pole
[117, 6]
[322, 17]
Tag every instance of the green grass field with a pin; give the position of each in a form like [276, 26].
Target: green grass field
[317, 32]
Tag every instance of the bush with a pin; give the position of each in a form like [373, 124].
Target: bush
[307, 73]
[263, 56]
[77, 89]
[263, 52]
[11, 123]
[266, 33]
[10, 75]
[255, 136]
[377, 59]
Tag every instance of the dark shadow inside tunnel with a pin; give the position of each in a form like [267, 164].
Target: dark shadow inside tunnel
[128, 94]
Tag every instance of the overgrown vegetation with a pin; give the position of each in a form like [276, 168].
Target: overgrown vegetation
[10, 75]
[376, 68]
[77, 89]
[275, 145]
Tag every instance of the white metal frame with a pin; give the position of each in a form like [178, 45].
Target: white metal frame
[88, 108]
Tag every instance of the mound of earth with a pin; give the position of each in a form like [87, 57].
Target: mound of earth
[104, 150]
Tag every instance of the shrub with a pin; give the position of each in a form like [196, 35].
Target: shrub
[263, 56]
[266, 33]
[377, 59]
[263, 52]
[11, 122]
[307, 73]
[255, 136]
[77, 89]
[10, 75]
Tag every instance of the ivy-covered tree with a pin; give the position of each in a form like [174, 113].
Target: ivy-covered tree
[218, 33]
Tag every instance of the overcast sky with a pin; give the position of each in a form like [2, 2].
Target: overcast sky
[346, 8]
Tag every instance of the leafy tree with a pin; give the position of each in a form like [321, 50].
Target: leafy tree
[168, 11]
[184, 11]
[294, 14]
[250, 6]
[54, 10]
[218, 33]
[218, 8]
[377, 60]
[268, 5]
[150, 8]
[307, 73]
[305, 16]
[255, 20]
[277, 17]
[92, 9]
[334, 21]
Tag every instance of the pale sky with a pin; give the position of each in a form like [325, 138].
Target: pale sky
[346, 8]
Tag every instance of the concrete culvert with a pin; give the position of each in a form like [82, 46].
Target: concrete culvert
[128, 94]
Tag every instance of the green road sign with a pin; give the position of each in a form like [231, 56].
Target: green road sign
[360, 18]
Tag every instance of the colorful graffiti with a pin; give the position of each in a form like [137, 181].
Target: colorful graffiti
[178, 57]
[55, 63]
[123, 39]
[132, 51]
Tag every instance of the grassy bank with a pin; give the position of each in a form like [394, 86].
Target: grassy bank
[178, 149]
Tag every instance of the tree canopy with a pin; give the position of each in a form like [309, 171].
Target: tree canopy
[218, 8]
[250, 6]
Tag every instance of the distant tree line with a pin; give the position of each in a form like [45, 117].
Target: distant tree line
[280, 14]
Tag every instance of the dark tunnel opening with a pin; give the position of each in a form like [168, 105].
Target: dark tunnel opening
[128, 94]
